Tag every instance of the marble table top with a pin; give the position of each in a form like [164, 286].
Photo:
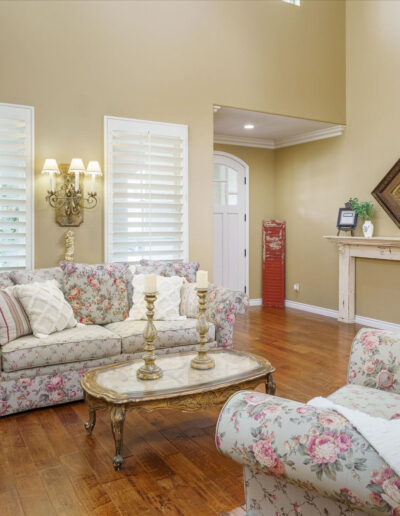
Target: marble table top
[178, 376]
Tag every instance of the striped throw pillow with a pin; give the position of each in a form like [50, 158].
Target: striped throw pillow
[14, 322]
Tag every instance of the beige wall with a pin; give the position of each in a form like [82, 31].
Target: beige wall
[261, 204]
[166, 61]
[314, 179]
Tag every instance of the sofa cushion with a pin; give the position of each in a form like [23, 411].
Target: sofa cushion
[366, 399]
[186, 270]
[5, 280]
[169, 334]
[46, 307]
[14, 322]
[98, 294]
[72, 345]
[37, 275]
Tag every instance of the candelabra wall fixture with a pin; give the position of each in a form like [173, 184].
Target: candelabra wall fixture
[68, 198]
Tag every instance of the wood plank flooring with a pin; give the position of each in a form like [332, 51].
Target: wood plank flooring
[48, 466]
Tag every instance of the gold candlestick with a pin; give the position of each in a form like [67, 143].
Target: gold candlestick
[149, 371]
[202, 361]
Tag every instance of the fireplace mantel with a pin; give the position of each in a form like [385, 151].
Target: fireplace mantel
[350, 248]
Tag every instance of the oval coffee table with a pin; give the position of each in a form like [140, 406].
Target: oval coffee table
[116, 387]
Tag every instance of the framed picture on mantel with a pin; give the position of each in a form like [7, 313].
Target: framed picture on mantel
[387, 193]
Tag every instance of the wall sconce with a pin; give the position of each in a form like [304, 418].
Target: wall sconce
[68, 199]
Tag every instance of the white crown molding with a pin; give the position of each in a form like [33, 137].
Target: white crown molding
[359, 319]
[244, 141]
[311, 136]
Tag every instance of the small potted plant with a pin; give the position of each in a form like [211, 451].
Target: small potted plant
[365, 210]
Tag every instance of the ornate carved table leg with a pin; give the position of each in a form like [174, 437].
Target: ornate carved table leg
[270, 385]
[117, 426]
[89, 425]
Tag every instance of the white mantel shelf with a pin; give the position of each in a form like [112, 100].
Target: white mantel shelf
[350, 248]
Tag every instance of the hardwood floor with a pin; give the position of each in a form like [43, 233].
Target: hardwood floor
[48, 466]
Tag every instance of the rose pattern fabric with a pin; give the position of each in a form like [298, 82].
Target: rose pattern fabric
[169, 334]
[222, 307]
[276, 496]
[186, 270]
[375, 360]
[318, 450]
[372, 401]
[38, 275]
[51, 385]
[98, 294]
[5, 280]
[71, 345]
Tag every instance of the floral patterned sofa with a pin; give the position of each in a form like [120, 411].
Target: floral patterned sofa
[40, 372]
[301, 460]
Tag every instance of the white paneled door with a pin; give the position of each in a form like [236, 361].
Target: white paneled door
[230, 221]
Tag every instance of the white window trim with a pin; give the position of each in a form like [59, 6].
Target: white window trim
[30, 188]
[108, 183]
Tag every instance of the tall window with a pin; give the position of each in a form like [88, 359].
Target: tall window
[16, 187]
[146, 170]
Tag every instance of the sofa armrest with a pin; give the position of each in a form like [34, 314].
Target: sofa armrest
[375, 360]
[223, 305]
[316, 449]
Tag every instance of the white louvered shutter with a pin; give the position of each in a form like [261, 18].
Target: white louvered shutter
[146, 182]
[16, 178]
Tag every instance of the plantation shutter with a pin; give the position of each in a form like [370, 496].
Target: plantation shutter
[16, 177]
[146, 181]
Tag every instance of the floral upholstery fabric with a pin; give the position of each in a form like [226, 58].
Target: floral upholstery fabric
[186, 270]
[5, 280]
[98, 294]
[271, 495]
[51, 385]
[71, 345]
[38, 276]
[169, 334]
[317, 450]
[222, 307]
[372, 401]
[375, 360]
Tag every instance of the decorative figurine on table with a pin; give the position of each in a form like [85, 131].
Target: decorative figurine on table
[202, 361]
[149, 371]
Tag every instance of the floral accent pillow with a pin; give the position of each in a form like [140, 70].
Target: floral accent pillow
[5, 280]
[98, 294]
[186, 270]
[38, 275]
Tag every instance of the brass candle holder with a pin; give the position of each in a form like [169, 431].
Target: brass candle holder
[149, 371]
[202, 361]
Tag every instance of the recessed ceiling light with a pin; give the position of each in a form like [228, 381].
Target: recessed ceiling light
[249, 126]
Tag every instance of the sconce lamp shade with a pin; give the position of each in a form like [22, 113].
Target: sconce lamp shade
[50, 167]
[93, 168]
[76, 166]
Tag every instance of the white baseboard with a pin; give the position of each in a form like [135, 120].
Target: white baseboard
[255, 302]
[359, 319]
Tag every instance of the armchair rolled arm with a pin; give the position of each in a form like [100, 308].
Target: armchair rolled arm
[375, 360]
[223, 305]
[316, 449]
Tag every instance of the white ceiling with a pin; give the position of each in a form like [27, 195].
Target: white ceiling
[276, 130]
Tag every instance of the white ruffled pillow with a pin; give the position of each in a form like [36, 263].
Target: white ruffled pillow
[166, 307]
[46, 307]
[189, 300]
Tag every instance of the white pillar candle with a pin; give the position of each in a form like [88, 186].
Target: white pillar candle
[202, 279]
[150, 283]
[76, 181]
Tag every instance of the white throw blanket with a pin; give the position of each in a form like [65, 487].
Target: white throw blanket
[382, 434]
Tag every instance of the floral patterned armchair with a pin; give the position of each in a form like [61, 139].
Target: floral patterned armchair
[301, 460]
